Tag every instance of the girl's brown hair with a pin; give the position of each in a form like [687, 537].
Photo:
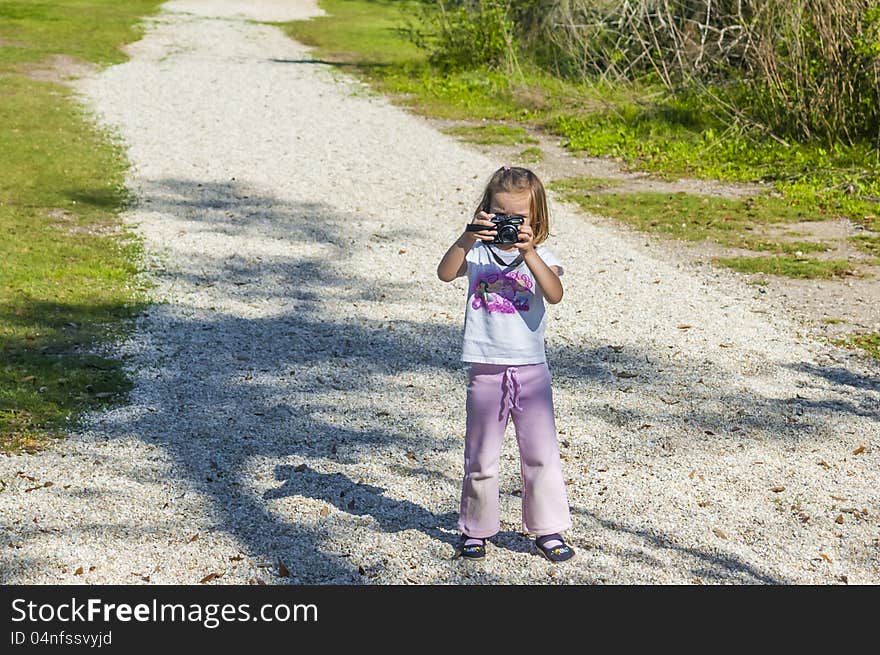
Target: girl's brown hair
[514, 179]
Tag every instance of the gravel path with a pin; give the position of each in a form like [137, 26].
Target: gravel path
[298, 391]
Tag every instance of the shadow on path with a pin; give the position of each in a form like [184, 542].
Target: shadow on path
[225, 393]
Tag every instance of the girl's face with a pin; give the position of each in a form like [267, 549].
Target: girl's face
[515, 202]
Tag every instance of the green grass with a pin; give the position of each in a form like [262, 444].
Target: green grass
[691, 217]
[492, 134]
[869, 243]
[868, 342]
[788, 266]
[67, 280]
[368, 34]
[90, 30]
[531, 155]
[671, 138]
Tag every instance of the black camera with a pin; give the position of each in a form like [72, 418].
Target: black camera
[506, 226]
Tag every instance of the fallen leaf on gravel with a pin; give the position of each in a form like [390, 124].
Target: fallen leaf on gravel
[826, 558]
[719, 533]
[92, 568]
[859, 450]
[684, 326]
[824, 463]
[24, 475]
[79, 571]
[236, 558]
[703, 503]
[325, 511]
[839, 518]
[401, 251]
[777, 489]
[209, 577]
[282, 570]
[192, 538]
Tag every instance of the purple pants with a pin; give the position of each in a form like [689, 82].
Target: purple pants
[494, 394]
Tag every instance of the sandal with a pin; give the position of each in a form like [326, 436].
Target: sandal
[558, 553]
[471, 551]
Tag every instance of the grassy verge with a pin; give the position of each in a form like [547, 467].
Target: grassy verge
[692, 217]
[789, 266]
[66, 282]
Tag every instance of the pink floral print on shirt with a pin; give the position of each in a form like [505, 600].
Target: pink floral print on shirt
[503, 292]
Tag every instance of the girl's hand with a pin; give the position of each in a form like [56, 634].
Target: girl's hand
[525, 239]
[482, 218]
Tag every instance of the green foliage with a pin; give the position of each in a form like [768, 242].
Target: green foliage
[465, 35]
[673, 140]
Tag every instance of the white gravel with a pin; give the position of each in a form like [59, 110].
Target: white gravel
[298, 391]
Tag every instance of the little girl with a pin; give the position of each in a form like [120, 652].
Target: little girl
[508, 377]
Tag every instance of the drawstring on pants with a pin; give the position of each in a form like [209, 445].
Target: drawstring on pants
[511, 388]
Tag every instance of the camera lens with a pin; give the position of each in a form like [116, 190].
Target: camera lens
[507, 235]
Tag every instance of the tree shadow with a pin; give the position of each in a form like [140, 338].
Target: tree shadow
[229, 393]
[705, 564]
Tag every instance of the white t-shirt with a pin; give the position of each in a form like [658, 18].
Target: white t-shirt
[504, 320]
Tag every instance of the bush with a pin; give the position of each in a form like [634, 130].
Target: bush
[795, 69]
[464, 35]
[801, 69]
